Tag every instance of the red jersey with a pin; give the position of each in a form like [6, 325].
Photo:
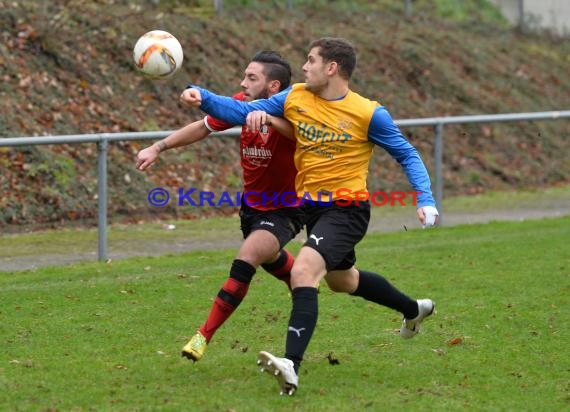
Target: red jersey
[267, 163]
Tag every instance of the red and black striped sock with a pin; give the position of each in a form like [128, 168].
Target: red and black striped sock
[229, 297]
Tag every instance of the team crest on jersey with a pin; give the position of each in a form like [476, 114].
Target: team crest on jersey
[344, 124]
[264, 133]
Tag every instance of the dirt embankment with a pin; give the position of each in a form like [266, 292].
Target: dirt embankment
[66, 68]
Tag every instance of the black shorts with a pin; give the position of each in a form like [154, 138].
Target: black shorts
[283, 223]
[334, 231]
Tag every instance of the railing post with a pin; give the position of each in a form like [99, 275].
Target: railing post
[522, 20]
[218, 5]
[408, 9]
[438, 155]
[102, 146]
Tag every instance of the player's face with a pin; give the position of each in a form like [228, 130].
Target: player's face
[254, 84]
[315, 71]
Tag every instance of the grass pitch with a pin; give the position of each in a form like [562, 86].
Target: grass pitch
[107, 337]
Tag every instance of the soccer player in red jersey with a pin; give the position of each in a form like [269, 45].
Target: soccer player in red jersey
[269, 214]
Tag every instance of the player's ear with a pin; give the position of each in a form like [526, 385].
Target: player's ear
[332, 68]
[274, 86]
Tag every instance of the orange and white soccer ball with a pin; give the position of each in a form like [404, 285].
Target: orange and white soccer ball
[158, 54]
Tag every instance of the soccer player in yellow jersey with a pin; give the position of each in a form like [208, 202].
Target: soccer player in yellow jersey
[336, 130]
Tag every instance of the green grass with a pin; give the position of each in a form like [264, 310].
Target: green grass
[121, 237]
[548, 198]
[107, 337]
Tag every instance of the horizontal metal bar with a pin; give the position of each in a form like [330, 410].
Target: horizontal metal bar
[488, 118]
[235, 131]
[96, 138]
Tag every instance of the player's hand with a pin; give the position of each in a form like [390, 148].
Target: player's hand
[191, 98]
[256, 119]
[428, 216]
[146, 157]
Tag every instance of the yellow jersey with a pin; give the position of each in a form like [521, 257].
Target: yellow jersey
[333, 150]
[335, 139]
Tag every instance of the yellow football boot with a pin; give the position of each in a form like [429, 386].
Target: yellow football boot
[195, 348]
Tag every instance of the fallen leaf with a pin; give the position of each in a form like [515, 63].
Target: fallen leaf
[455, 341]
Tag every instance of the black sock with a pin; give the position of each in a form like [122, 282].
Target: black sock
[302, 323]
[281, 268]
[376, 289]
[242, 271]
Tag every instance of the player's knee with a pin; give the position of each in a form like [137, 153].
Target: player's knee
[303, 275]
[254, 257]
[339, 285]
[334, 285]
[345, 281]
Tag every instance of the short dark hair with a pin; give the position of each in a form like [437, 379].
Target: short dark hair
[275, 67]
[341, 51]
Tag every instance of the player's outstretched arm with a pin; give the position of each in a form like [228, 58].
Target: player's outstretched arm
[282, 126]
[189, 134]
[385, 133]
[230, 110]
[258, 118]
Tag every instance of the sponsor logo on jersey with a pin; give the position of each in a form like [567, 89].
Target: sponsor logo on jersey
[321, 133]
[254, 151]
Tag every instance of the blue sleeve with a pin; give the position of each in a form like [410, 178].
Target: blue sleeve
[234, 111]
[386, 134]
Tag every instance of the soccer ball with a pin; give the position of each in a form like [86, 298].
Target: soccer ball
[158, 54]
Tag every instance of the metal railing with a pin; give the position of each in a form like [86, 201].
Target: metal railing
[103, 139]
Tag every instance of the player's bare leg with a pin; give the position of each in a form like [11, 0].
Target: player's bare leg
[259, 247]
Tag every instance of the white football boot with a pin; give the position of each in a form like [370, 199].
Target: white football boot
[411, 327]
[280, 368]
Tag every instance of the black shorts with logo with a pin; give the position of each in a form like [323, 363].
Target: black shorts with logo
[334, 230]
[284, 223]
